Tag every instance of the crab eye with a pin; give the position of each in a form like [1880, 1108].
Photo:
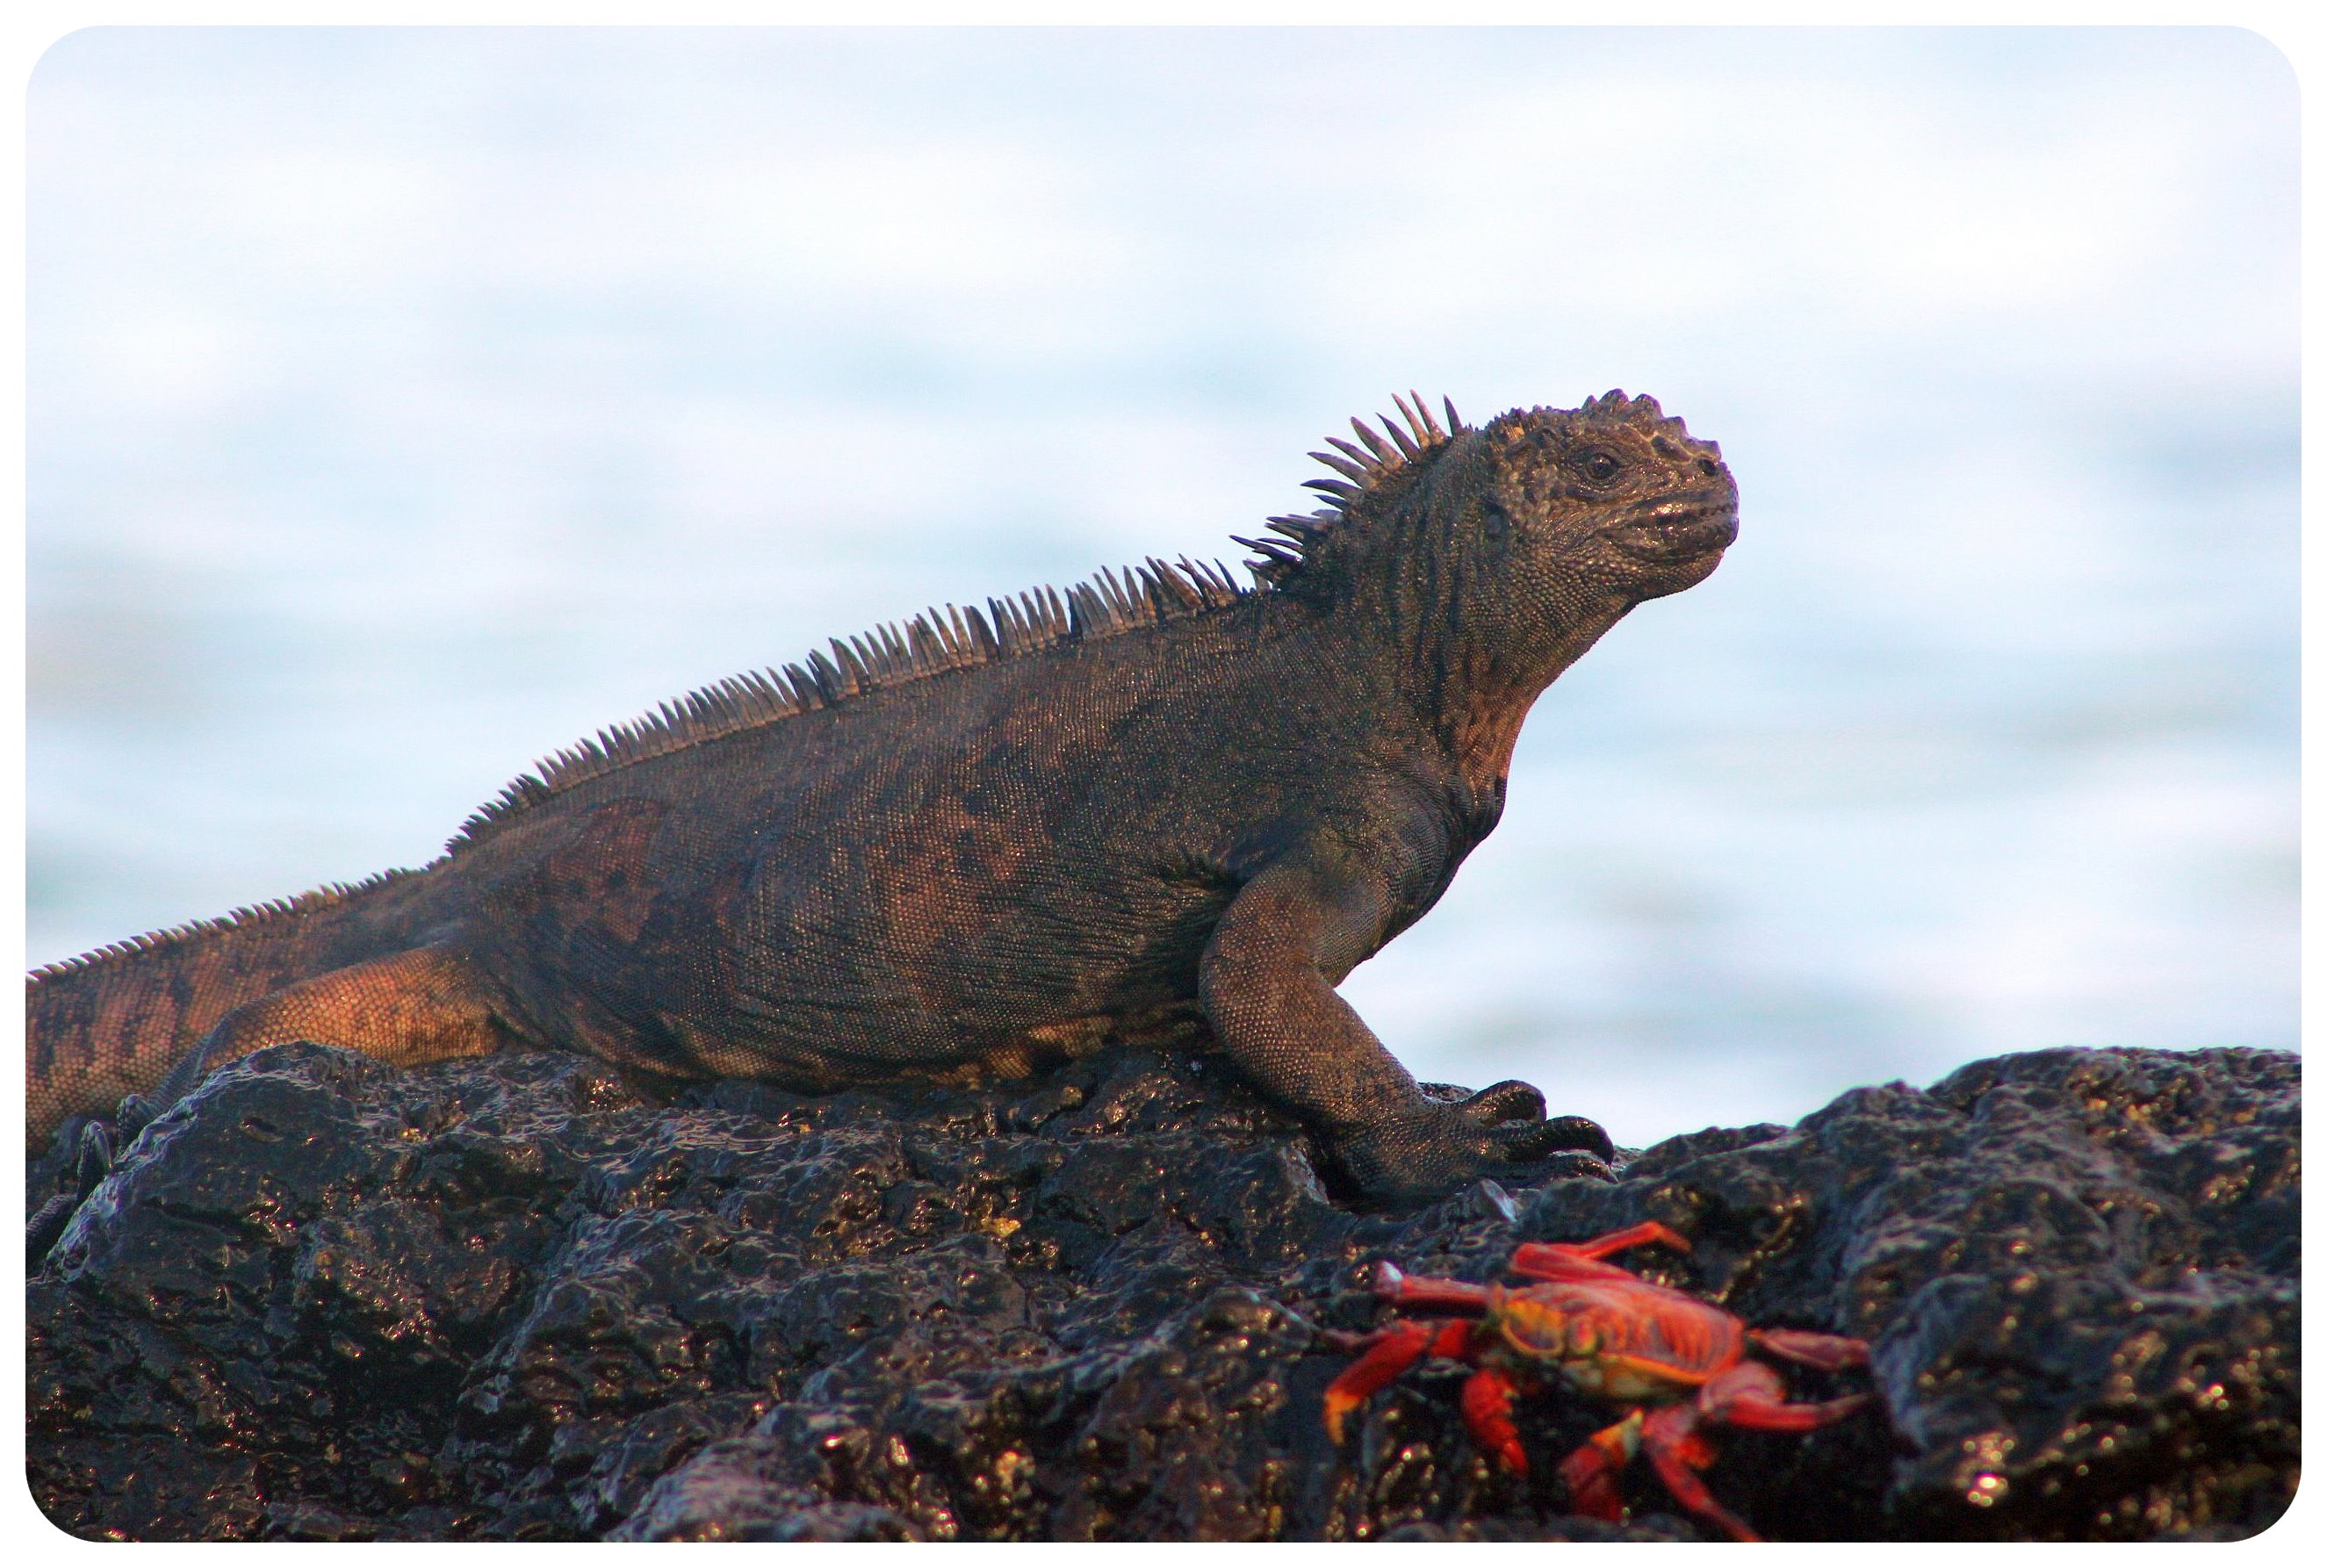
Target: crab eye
[1600, 466]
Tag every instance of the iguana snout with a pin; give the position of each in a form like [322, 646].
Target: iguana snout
[1678, 538]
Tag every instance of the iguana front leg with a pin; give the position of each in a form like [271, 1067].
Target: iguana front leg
[1267, 982]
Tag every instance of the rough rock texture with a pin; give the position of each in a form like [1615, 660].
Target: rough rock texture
[516, 1298]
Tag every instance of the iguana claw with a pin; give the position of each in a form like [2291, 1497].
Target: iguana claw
[1507, 1101]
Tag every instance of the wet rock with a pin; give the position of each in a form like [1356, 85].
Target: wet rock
[521, 1298]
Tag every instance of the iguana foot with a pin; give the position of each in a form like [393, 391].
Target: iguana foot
[1425, 1149]
[1515, 1111]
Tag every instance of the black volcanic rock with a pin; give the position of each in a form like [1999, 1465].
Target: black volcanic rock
[518, 1297]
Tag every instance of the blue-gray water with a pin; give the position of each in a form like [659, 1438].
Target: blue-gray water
[406, 404]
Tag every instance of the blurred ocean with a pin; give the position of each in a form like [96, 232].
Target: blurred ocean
[407, 404]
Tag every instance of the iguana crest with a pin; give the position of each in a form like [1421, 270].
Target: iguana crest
[219, 928]
[1367, 472]
[930, 644]
[1370, 472]
[956, 637]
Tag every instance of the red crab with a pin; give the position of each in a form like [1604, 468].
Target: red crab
[1679, 1362]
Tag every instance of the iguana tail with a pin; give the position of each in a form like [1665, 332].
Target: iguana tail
[114, 1021]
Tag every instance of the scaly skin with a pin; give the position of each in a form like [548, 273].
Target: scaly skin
[988, 844]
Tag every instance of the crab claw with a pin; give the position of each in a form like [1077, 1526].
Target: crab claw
[1387, 1279]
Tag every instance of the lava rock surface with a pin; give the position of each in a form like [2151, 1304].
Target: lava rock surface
[518, 1297]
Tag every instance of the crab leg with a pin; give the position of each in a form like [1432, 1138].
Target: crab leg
[1391, 1352]
[1590, 1473]
[1391, 1284]
[1678, 1451]
[1826, 1352]
[1780, 1417]
[1579, 1260]
[1487, 1412]
[1749, 1395]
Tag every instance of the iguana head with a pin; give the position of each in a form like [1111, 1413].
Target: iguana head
[1611, 500]
[1516, 543]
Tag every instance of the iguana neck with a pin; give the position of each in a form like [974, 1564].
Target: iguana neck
[1478, 698]
[1466, 699]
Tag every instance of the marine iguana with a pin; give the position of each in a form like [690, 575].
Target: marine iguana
[981, 843]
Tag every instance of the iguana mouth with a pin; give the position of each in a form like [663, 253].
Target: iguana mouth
[1677, 528]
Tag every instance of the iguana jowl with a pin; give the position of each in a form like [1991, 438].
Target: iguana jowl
[981, 843]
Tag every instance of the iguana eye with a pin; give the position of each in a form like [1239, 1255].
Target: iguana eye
[1497, 521]
[1600, 466]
